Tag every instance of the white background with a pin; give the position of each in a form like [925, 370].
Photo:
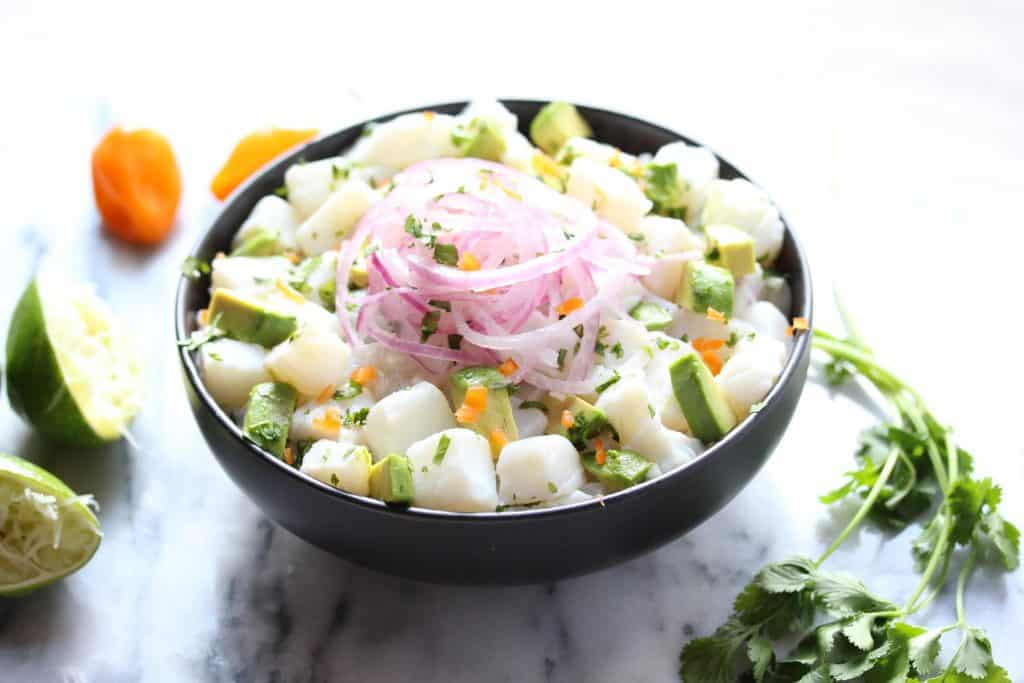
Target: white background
[889, 133]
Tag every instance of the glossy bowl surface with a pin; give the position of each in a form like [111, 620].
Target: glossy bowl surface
[491, 548]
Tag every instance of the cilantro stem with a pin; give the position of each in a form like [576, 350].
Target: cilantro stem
[914, 415]
[933, 563]
[961, 585]
[887, 382]
[869, 502]
[844, 314]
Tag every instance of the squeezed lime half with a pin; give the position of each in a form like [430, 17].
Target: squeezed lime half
[71, 371]
[47, 531]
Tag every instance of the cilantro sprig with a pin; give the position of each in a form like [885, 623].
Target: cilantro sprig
[842, 630]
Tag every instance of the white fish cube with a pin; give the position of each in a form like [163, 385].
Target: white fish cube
[664, 236]
[768, 320]
[247, 273]
[335, 218]
[309, 421]
[311, 360]
[344, 466]
[748, 376]
[668, 449]
[230, 369]
[743, 205]
[625, 404]
[530, 421]
[585, 148]
[270, 213]
[405, 417]
[539, 468]
[696, 167]
[453, 470]
[612, 194]
[405, 140]
[310, 184]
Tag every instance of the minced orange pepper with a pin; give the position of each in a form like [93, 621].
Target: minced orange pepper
[466, 414]
[600, 454]
[251, 153]
[476, 398]
[498, 440]
[715, 315]
[325, 394]
[799, 325]
[567, 419]
[705, 344]
[468, 262]
[330, 421]
[712, 360]
[137, 185]
[508, 367]
[569, 305]
[364, 375]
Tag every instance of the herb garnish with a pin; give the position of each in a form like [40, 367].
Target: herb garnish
[617, 350]
[194, 268]
[455, 342]
[446, 254]
[442, 448]
[608, 382]
[561, 358]
[203, 335]
[443, 305]
[349, 390]
[428, 325]
[843, 631]
[355, 417]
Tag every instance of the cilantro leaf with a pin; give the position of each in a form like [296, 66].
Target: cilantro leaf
[442, 448]
[194, 268]
[761, 655]
[712, 659]
[924, 651]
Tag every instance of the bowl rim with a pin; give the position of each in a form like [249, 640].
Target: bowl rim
[719, 448]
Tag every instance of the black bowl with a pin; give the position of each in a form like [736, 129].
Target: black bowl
[492, 548]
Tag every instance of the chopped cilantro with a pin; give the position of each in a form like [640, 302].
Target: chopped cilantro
[334, 479]
[429, 324]
[578, 330]
[355, 417]
[536, 405]
[608, 382]
[282, 192]
[442, 448]
[733, 339]
[636, 236]
[561, 358]
[347, 391]
[455, 341]
[194, 268]
[617, 350]
[203, 336]
[443, 305]
[446, 254]
[552, 488]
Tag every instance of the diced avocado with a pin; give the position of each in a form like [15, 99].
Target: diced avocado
[705, 286]
[249, 320]
[498, 413]
[481, 139]
[653, 316]
[268, 415]
[391, 479]
[730, 248]
[555, 123]
[326, 293]
[358, 276]
[262, 242]
[700, 398]
[620, 470]
[588, 421]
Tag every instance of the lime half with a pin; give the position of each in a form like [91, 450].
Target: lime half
[71, 372]
[46, 530]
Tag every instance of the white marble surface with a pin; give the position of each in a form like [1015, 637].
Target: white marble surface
[889, 132]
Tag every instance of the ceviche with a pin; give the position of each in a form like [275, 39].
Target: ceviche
[456, 316]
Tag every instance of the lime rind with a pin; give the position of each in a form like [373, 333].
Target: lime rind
[71, 372]
[46, 531]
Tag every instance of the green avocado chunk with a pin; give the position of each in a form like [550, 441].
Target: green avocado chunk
[268, 415]
[621, 469]
[588, 421]
[653, 316]
[498, 413]
[555, 124]
[249, 320]
[262, 242]
[700, 398]
[705, 286]
[391, 479]
[481, 139]
[731, 248]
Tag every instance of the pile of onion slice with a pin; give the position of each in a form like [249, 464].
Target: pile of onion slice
[521, 251]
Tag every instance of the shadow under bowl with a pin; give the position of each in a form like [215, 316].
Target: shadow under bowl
[492, 548]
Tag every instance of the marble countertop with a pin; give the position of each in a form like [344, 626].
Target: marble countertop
[889, 134]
